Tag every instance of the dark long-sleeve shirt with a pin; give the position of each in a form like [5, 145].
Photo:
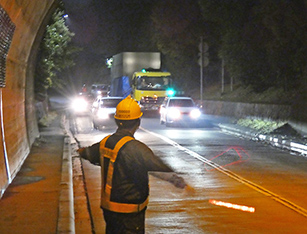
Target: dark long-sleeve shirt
[134, 161]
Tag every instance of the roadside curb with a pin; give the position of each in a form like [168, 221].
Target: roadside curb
[276, 141]
[66, 217]
[66, 220]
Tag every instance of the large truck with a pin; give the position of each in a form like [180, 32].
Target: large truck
[139, 74]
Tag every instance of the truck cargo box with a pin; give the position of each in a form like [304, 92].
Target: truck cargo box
[126, 63]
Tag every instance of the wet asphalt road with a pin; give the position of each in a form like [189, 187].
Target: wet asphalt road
[240, 186]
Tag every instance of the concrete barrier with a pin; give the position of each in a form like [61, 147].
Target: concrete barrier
[242, 110]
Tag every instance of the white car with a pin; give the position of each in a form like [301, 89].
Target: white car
[103, 110]
[179, 110]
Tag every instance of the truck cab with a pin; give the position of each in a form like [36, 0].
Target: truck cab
[150, 87]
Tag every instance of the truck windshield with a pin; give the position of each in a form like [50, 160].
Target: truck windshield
[153, 83]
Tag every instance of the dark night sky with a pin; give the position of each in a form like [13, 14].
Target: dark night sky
[83, 20]
[103, 28]
[97, 22]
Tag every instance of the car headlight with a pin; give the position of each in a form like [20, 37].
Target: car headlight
[174, 113]
[79, 105]
[102, 114]
[195, 114]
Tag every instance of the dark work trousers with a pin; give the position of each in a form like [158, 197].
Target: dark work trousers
[121, 223]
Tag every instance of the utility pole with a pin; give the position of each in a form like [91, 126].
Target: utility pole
[201, 70]
[203, 62]
[223, 80]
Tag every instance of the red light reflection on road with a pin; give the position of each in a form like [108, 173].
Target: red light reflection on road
[243, 156]
[233, 206]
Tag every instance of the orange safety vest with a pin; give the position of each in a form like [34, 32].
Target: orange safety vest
[107, 190]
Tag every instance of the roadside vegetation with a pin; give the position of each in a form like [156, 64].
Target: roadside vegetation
[272, 127]
[55, 56]
[47, 119]
[260, 125]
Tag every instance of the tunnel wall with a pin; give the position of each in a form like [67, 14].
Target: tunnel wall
[19, 128]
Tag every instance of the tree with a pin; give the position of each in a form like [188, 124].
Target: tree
[234, 35]
[178, 26]
[286, 24]
[55, 54]
[263, 43]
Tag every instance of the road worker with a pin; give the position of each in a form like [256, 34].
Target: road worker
[125, 163]
[84, 89]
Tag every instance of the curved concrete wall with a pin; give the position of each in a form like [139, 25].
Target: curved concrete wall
[17, 97]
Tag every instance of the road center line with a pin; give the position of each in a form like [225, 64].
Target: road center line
[232, 175]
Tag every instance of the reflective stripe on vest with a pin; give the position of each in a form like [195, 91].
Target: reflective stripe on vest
[106, 191]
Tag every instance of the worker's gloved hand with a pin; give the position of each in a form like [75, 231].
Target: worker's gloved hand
[80, 151]
[189, 189]
[177, 181]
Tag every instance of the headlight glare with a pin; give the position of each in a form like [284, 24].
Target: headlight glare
[79, 105]
[174, 113]
[195, 114]
[102, 114]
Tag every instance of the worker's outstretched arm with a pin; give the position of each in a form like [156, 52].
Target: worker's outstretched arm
[90, 153]
[171, 177]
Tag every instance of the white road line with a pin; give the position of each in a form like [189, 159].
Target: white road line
[232, 175]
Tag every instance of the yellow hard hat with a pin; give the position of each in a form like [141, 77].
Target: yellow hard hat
[128, 109]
